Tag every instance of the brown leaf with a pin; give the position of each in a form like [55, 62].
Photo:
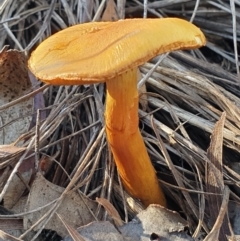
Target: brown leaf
[9, 155]
[217, 228]
[16, 188]
[75, 207]
[214, 177]
[166, 224]
[14, 82]
[111, 211]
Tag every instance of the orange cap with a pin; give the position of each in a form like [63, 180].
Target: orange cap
[98, 51]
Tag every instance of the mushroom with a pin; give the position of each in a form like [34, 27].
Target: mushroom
[111, 52]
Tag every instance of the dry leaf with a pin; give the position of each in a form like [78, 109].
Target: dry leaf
[214, 234]
[111, 211]
[166, 224]
[110, 13]
[74, 207]
[99, 231]
[156, 219]
[16, 188]
[14, 82]
[8, 156]
[214, 177]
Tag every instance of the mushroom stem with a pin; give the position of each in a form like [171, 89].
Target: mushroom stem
[128, 148]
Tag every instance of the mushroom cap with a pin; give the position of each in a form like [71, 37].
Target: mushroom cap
[98, 51]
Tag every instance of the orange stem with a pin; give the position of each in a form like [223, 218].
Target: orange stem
[129, 151]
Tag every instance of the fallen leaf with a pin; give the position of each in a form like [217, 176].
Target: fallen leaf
[99, 231]
[9, 155]
[14, 82]
[16, 188]
[165, 224]
[75, 207]
[156, 219]
[213, 235]
[214, 180]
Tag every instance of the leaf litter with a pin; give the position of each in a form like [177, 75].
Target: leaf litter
[165, 224]
[187, 94]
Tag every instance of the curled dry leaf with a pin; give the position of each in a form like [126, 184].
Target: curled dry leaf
[214, 179]
[14, 82]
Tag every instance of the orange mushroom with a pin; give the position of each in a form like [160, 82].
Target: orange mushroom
[111, 52]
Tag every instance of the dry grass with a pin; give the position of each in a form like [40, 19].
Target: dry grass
[187, 94]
